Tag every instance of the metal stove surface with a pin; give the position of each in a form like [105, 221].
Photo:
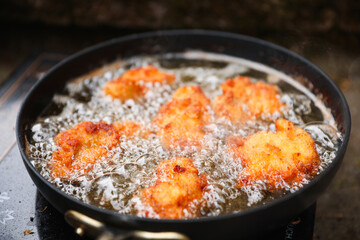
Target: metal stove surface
[24, 212]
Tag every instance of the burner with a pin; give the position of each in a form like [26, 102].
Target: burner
[50, 224]
[24, 212]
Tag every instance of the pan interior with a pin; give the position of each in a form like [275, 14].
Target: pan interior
[114, 184]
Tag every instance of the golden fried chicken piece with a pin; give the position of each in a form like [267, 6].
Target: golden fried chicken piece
[178, 188]
[242, 100]
[181, 121]
[289, 156]
[83, 145]
[131, 84]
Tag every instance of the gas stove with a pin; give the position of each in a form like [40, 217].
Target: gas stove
[24, 212]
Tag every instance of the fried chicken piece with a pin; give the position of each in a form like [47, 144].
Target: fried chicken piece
[83, 145]
[131, 85]
[289, 155]
[242, 100]
[181, 121]
[179, 188]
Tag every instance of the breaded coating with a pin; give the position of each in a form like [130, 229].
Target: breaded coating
[179, 188]
[243, 100]
[289, 155]
[131, 85]
[126, 128]
[83, 145]
[181, 121]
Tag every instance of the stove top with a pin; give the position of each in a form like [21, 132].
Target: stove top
[24, 212]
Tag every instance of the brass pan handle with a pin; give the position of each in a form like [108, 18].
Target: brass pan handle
[85, 225]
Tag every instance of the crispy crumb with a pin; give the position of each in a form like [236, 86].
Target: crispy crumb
[28, 232]
[296, 221]
[43, 210]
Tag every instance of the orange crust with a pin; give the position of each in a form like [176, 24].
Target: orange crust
[242, 100]
[177, 187]
[288, 155]
[181, 121]
[80, 147]
[131, 84]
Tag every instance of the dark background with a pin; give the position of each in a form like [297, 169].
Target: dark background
[325, 32]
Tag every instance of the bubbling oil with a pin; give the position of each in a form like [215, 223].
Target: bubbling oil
[115, 181]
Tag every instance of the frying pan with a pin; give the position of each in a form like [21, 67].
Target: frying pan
[247, 223]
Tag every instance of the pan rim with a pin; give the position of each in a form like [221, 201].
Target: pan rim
[229, 216]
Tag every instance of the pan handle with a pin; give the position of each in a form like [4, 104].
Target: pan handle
[85, 225]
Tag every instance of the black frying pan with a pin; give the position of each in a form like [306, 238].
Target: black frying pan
[242, 224]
